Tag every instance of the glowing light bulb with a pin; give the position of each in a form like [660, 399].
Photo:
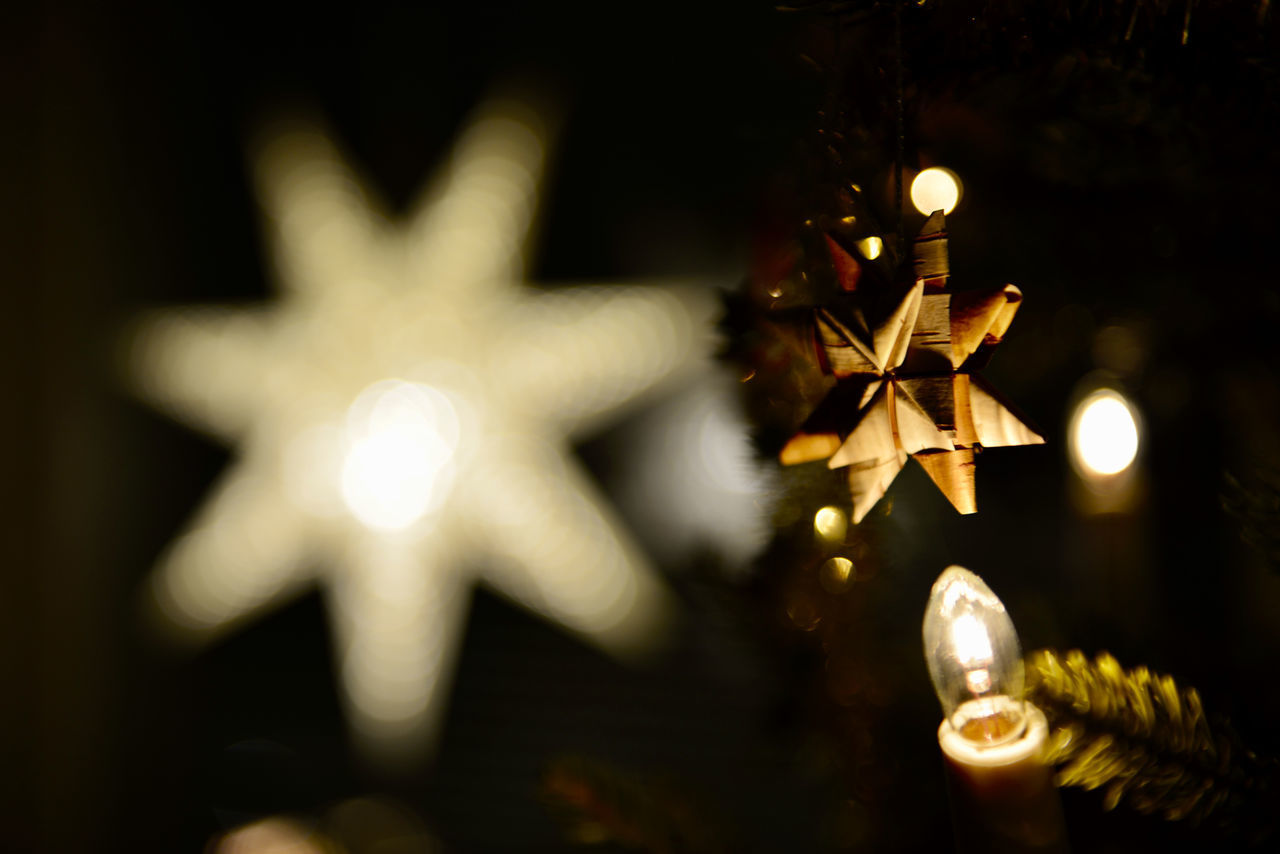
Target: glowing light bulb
[1104, 434]
[974, 659]
[936, 189]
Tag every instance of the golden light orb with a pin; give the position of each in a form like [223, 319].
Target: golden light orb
[830, 524]
[936, 189]
[836, 574]
[1104, 434]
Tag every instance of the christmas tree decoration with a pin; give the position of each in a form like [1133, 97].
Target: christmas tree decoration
[974, 660]
[993, 740]
[904, 359]
[402, 417]
[408, 405]
[1148, 743]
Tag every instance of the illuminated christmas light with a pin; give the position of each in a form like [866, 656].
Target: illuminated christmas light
[936, 189]
[1104, 434]
[993, 741]
[402, 417]
[974, 658]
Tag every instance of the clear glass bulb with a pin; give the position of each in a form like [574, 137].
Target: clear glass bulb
[974, 659]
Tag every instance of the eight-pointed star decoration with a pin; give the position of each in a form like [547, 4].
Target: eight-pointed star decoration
[903, 360]
[402, 418]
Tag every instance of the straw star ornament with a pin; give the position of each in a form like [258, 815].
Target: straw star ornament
[402, 418]
[903, 362]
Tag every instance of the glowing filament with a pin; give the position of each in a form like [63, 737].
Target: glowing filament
[973, 647]
[979, 681]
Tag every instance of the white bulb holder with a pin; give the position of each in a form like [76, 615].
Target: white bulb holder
[974, 659]
[1028, 746]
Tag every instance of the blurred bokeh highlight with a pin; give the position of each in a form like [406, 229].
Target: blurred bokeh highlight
[402, 418]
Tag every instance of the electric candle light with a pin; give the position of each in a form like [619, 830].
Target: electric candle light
[1104, 442]
[1002, 796]
[936, 189]
[1104, 435]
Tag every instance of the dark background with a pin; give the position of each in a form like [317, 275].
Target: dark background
[1120, 184]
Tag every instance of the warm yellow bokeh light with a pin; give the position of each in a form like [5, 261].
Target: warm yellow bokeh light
[1104, 434]
[404, 415]
[871, 247]
[830, 523]
[270, 836]
[836, 574]
[936, 189]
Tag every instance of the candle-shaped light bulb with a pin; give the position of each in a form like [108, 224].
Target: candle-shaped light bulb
[974, 659]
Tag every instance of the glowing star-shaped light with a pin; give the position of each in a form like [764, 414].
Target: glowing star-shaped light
[402, 418]
[905, 385]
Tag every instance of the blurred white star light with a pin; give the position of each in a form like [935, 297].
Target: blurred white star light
[402, 417]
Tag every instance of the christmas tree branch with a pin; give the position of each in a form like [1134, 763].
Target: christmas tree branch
[1147, 742]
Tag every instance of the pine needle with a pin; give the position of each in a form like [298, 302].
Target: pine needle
[1146, 742]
